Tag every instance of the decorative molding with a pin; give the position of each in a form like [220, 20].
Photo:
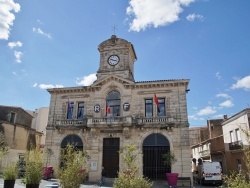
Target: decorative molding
[75, 96]
[152, 92]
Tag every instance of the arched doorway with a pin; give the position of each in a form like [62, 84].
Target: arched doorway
[154, 146]
[72, 140]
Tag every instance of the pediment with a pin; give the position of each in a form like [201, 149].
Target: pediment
[112, 78]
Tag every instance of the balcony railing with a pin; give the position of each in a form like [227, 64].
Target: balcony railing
[235, 145]
[72, 122]
[116, 120]
[204, 153]
[162, 122]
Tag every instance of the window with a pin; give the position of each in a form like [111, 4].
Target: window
[113, 102]
[70, 110]
[238, 138]
[80, 111]
[239, 167]
[149, 107]
[12, 117]
[231, 136]
[161, 111]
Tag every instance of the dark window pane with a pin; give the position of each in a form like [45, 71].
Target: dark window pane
[148, 108]
[70, 111]
[80, 112]
[113, 104]
[161, 111]
[12, 117]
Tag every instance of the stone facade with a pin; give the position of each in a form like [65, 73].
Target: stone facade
[134, 117]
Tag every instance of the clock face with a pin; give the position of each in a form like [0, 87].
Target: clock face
[113, 60]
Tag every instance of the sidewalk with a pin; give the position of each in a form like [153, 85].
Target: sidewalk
[108, 184]
[44, 183]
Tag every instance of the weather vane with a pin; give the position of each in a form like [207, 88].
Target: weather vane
[114, 27]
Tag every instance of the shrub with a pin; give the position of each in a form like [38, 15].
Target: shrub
[72, 172]
[128, 175]
[10, 172]
[34, 166]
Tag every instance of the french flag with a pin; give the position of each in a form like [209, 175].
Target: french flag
[108, 108]
[157, 102]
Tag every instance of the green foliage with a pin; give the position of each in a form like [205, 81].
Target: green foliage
[236, 181]
[169, 158]
[10, 172]
[72, 173]
[34, 166]
[128, 175]
[3, 147]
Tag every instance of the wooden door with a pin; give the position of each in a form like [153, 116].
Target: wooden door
[111, 147]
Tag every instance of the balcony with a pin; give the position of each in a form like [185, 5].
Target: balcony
[76, 123]
[235, 145]
[161, 122]
[110, 121]
[204, 153]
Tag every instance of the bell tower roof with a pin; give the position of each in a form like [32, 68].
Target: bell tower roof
[117, 57]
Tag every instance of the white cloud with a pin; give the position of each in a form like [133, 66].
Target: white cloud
[14, 73]
[206, 111]
[86, 80]
[18, 56]
[192, 17]
[15, 44]
[154, 13]
[6, 17]
[224, 95]
[34, 85]
[39, 31]
[243, 83]
[39, 21]
[218, 75]
[47, 86]
[227, 103]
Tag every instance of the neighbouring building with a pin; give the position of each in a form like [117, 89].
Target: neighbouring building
[235, 139]
[15, 123]
[210, 144]
[116, 111]
[40, 121]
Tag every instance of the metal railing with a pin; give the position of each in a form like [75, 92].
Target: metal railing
[235, 145]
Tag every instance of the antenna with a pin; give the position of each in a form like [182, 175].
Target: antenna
[114, 27]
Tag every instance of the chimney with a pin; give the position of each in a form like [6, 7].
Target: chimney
[225, 117]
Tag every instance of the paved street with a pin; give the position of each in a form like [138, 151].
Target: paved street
[109, 182]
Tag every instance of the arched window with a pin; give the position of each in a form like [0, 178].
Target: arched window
[113, 101]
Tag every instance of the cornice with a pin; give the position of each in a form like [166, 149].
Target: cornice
[96, 86]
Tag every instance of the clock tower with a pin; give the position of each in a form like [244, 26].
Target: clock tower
[117, 57]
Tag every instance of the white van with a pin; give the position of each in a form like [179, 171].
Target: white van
[210, 173]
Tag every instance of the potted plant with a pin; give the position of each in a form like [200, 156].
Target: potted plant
[72, 171]
[34, 168]
[10, 173]
[168, 160]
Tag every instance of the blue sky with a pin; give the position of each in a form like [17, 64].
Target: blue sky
[46, 44]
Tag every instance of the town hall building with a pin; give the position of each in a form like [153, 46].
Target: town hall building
[116, 111]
